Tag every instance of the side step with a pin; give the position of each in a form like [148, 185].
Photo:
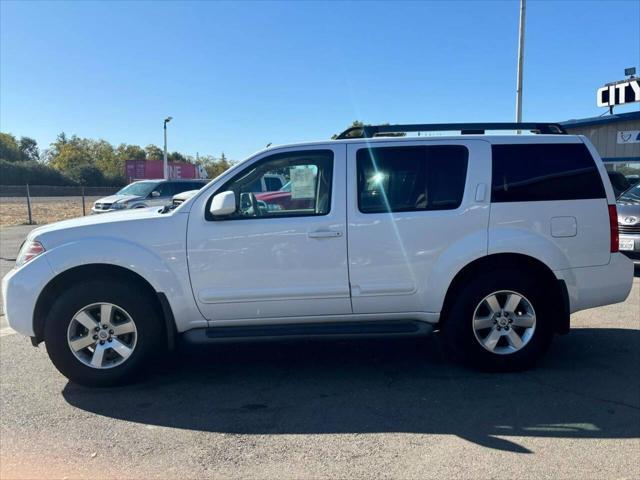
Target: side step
[308, 330]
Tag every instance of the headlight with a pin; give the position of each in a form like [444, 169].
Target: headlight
[119, 206]
[29, 251]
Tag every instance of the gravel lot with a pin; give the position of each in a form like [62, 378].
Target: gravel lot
[348, 409]
[13, 210]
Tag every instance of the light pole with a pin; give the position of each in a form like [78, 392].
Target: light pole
[165, 164]
[523, 9]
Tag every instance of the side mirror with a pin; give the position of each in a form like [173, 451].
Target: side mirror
[155, 193]
[223, 204]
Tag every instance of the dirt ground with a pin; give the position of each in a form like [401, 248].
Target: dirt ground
[13, 210]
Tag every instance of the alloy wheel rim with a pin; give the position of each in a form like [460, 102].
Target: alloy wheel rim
[102, 335]
[504, 322]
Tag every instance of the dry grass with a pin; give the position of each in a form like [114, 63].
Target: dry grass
[13, 210]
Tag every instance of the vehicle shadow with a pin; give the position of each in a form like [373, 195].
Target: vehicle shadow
[586, 387]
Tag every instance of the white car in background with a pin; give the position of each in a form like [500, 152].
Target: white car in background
[268, 183]
[145, 193]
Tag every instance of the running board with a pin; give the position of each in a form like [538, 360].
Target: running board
[310, 330]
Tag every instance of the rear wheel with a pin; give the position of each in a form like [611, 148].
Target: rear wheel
[102, 333]
[499, 321]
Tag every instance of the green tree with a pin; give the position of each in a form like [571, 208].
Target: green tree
[71, 155]
[130, 152]
[176, 157]
[105, 159]
[214, 167]
[154, 153]
[87, 174]
[56, 146]
[28, 149]
[9, 149]
[355, 123]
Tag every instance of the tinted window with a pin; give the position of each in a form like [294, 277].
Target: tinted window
[179, 187]
[165, 189]
[272, 183]
[536, 172]
[401, 179]
[310, 174]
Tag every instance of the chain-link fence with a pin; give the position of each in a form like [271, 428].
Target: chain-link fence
[40, 204]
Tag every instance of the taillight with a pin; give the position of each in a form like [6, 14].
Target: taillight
[613, 228]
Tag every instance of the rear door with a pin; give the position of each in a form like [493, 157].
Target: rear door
[417, 211]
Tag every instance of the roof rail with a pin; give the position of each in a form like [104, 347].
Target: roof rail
[369, 131]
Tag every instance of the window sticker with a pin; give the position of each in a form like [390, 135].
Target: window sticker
[303, 184]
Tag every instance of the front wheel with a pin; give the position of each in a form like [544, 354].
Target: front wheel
[499, 321]
[102, 333]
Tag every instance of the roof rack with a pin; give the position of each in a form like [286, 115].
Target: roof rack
[369, 131]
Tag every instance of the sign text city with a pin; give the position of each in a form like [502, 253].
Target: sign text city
[618, 93]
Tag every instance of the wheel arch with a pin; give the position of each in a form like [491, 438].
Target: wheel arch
[100, 271]
[519, 261]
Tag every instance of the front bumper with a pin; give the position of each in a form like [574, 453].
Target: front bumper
[99, 210]
[20, 291]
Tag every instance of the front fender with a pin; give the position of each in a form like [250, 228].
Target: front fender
[164, 269]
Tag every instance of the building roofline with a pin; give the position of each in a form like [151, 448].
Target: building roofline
[587, 122]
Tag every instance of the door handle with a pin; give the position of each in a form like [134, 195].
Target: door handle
[324, 234]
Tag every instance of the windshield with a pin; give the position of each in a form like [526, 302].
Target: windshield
[632, 195]
[141, 189]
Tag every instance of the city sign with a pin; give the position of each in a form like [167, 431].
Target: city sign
[618, 93]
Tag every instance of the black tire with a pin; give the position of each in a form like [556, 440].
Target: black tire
[148, 322]
[457, 329]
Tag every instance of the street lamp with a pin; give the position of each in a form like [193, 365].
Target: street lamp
[523, 9]
[165, 164]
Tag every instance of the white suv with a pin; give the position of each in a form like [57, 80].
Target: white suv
[492, 239]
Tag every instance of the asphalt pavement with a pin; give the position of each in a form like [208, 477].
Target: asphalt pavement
[326, 409]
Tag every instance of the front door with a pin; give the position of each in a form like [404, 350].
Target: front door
[282, 253]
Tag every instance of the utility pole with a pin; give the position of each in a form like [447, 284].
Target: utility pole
[523, 9]
[165, 163]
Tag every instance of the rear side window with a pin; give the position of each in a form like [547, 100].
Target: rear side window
[405, 179]
[537, 172]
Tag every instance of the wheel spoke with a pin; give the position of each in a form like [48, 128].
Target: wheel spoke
[86, 320]
[513, 300]
[525, 320]
[106, 310]
[98, 354]
[483, 322]
[493, 304]
[514, 339]
[124, 328]
[491, 340]
[82, 342]
[120, 348]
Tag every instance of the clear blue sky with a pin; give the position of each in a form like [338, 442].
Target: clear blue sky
[236, 76]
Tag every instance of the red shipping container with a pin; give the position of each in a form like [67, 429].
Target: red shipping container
[152, 169]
